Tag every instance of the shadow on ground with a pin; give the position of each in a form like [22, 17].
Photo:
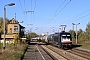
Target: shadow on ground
[32, 43]
[75, 45]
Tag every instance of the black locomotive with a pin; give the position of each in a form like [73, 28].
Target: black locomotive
[62, 39]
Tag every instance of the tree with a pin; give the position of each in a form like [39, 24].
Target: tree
[6, 22]
[72, 33]
[81, 36]
[33, 34]
[80, 31]
[2, 25]
[88, 31]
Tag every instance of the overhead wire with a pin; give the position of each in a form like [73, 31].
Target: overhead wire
[21, 5]
[22, 8]
[73, 19]
[59, 12]
[31, 12]
[25, 5]
[80, 18]
[34, 10]
[62, 8]
[55, 12]
[35, 5]
[25, 12]
[25, 9]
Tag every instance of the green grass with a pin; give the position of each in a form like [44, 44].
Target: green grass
[86, 47]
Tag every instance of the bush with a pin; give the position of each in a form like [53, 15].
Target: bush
[13, 52]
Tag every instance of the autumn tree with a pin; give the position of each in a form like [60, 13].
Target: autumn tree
[81, 36]
[72, 32]
[2, 24]
[33, 34]
[88, 31]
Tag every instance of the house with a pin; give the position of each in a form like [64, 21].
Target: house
[13, 28]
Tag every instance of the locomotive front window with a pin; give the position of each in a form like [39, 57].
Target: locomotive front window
[66, 36]
[63, 36]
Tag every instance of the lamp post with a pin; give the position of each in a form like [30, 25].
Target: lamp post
[73, 31]
[76, 31]
[11, 4]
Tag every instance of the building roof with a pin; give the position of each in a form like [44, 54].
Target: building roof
[13, 21]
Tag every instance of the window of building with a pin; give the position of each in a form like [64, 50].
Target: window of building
[10, 30]
[15, 28]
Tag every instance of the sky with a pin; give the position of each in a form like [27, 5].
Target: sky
[46, 16]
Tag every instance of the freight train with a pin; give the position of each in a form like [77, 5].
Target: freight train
[62, 39]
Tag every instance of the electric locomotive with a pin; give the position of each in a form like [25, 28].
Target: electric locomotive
[62, 39]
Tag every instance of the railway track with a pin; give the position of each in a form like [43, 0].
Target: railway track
[68, 54]
[82, 53]
[47, 52]
[53, 58]
[53, 54]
